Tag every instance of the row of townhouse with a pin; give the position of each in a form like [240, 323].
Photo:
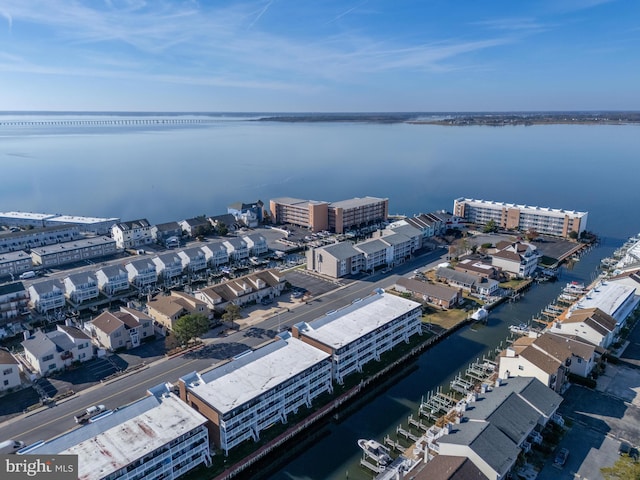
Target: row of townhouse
[575, 341]
[141, 274]
[252, 288]
[544, 220]
[493, 429]
[38, 237]
[258, 388]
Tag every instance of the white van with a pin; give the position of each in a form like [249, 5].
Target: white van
[10, 446]
[29, 274]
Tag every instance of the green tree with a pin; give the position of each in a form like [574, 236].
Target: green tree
[573, 234]
[222, 229]
[626, 468]
[490, 227]
[190, 326]
[231, 313]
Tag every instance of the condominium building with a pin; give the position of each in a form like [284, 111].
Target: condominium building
[132, 234]
[310, 214]
[38, 237]
[15, 263]
[70, 252]
[258, 388]
[47, 295]
[362, 331]
[544, 220]
[339, 216]
[156, 437]
[14, 301]
[96, 226]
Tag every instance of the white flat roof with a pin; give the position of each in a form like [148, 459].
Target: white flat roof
[130, 433]
[26, 215]
[528, 208]
[82, 220]
[607, 297]
[250, 375]
[347, 324]
[73, 245]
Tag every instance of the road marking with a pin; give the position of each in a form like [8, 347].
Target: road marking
[119, 392]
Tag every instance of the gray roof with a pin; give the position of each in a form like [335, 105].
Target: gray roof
[62, 341]
[82, 277]
[168, 258]
[429, 289]
[356, 202]
[47, 286]
[515, 418]
[142, 264]
[372, 246]
[407, 230]
[395, 239]
[113, 270]
[39, 344]
[340, 251]
[141, 223]
[6, 358]
[544, 399]
[74, 332]
[455, 276]
[236, 242]
[167, 227]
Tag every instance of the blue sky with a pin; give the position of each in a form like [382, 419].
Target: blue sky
[314, 55]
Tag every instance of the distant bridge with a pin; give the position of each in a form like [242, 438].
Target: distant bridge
[114, 121]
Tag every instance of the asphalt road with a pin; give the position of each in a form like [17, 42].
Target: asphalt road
[50, 422]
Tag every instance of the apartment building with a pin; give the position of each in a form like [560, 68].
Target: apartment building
[38, 237]
[544, 220]
[81, 287]
[310, 214]
[254, 390]
[360, 332]
[339, 216]
[156, 437]
[76, 251]
[516, 258]
[15, 263]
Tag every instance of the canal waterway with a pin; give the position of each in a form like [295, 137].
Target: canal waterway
[334, 453]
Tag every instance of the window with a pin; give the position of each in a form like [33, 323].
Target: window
[7, 371]
[46, 358]
[6, 382]
[520, 367]
[52, 366]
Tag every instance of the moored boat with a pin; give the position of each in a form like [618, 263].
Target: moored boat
[375, 451]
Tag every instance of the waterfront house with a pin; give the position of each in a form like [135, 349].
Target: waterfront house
[193, 259]
[112, 279]
[14, 302]
[516, 258]
[169, 267]
[215, 253]
[428, 227]
[195, 226]
[156, 436]
[132, 234]
[123, 329]
[166, 309]
[549, 358]
[466, 281]
[256, 244]
[236, 248]
[590, 324]
[226, 220]
[81, 287]
[360, 332]
[613, 297]
[249, 214]
[167, 234]
[46, 295]
[142, 273]
[56, 350]
[9, 371]
[257, 389]
[478, 268]
[435, 294]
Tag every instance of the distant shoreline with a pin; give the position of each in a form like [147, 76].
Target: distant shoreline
[484, 119]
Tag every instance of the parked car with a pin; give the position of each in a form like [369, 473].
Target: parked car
[627, 449]
[561, 457]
